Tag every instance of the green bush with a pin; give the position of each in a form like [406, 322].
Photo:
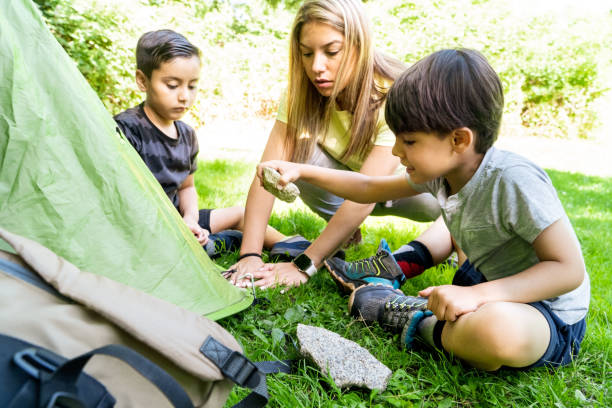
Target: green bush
[553, 66]
[561, 94]
[83, 33]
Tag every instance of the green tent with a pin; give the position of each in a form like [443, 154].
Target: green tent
[69, 181]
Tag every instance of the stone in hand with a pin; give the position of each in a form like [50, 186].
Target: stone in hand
[270, 182]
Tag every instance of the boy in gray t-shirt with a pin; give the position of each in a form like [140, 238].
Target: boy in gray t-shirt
[521, 294]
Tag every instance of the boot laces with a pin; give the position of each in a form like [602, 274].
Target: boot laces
[367, 266]
[399, 310]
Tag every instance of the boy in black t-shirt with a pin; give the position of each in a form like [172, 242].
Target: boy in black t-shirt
[168, 70]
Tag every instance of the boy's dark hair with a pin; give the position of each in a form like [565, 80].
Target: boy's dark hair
[156, 47]
[448, 90]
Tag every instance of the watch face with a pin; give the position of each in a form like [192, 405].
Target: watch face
[302, 261]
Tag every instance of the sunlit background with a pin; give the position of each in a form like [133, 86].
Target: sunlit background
[554, 58]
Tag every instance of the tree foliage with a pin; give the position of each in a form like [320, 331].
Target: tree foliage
[553, 65]
[84, 36]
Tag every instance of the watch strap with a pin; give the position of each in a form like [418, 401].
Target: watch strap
[311, 270]
[300, 260]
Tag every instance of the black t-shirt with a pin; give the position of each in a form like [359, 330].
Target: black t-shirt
[170, 160]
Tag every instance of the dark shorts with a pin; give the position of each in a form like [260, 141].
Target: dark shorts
[565, 338]
[204, 220]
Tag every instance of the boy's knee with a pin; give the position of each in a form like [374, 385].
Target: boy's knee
[509, 338]
[238, 209]
[238, 216]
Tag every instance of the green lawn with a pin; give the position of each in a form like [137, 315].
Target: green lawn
[420, 378]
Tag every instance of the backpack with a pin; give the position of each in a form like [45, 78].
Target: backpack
[34, 376]
[48, 304]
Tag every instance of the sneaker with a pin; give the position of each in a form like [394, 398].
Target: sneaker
[285, 251]
[223, 241]
[389, 307]
[289, 248]
[378, 269]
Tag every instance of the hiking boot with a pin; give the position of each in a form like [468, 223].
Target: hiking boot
[393, 310]
[223, 241]
[378, 269]
[285, 251]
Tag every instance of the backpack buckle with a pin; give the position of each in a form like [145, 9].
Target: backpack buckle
[233, 365]
[33, 361]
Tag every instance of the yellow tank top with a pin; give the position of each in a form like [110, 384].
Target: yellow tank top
[337, 138]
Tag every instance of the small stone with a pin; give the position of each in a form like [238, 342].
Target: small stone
[345, 361]
[270, 182]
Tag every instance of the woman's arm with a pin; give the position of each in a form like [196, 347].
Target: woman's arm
[347, 184]
[350, 215]
[259, 206]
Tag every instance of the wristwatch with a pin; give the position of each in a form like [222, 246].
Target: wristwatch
[305, 264]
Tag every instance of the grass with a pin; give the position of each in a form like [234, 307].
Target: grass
[421, 378]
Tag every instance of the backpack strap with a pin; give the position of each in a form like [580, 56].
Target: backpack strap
[22, 365]
[68, 374]
[57, 381]
[244, 372]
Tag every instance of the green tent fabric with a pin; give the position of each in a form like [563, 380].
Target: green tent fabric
[69, 181]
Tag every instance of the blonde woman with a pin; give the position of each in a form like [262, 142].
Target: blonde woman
[331, 115]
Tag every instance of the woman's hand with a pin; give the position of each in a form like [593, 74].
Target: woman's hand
[272, 275]
[247, 265]
[448, 302]
[289, 171]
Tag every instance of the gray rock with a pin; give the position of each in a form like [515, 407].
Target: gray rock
[346, 362]
[270, 182]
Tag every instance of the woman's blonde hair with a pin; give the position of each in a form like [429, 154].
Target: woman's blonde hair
[308, 112]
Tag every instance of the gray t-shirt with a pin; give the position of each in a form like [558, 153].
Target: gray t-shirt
[498, 214]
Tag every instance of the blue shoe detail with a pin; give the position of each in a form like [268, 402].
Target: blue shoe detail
[289, 248]
[410, 330]
[381, 268]
[384, 245]
[395, 284]
[392, 309]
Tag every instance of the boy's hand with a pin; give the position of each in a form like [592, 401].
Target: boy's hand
[200, 233]
[448, 302]
[289, 171]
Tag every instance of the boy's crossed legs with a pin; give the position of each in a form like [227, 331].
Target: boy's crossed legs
[496, 334]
